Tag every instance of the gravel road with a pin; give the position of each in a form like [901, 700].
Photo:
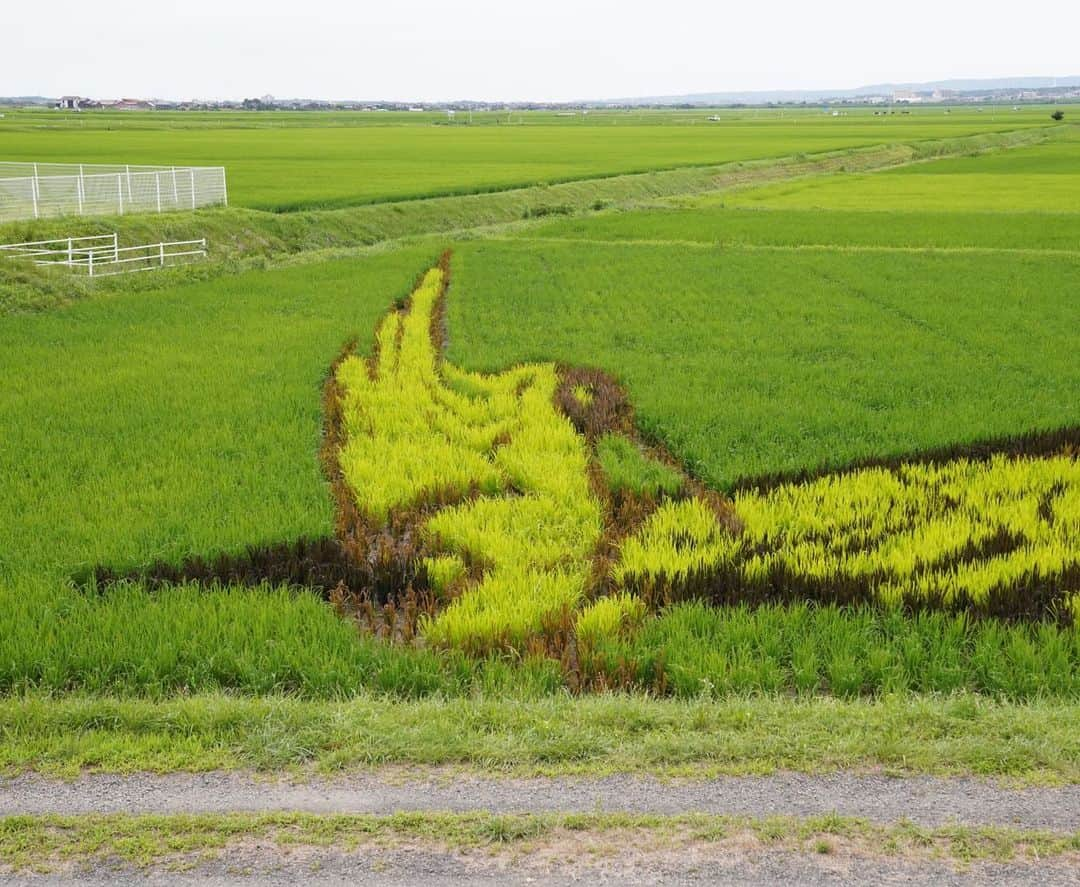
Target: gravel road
[395, 868]
[924, 800]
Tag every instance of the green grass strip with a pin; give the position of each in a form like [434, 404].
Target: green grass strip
[1035, 742]
[43, 843]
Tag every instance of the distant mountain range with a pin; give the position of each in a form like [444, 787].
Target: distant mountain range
[757, 97]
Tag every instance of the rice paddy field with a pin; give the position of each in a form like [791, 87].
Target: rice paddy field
[791, 434]
[281, 161]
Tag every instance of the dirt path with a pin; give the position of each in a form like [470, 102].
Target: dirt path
[268, 866]
[925, 801]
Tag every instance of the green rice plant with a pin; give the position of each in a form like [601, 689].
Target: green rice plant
[628, 469]
[752, 363]
[693, 648]
[289, 162]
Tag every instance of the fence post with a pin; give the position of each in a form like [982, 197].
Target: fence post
[157, 184]
[224, 187]
[80, 189]
[161, 252]
[33, 195]
[128, 169]
[90, 262]
[120, 192]
[70, 253]
[191, 172]
[175, 192]
[116, 247]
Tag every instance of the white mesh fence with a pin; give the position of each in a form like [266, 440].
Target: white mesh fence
[40, 190]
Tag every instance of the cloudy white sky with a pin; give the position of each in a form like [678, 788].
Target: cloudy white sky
[498, 49]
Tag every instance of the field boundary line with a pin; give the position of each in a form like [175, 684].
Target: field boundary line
[800, 247]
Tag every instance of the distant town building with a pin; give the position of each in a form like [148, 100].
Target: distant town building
[129, 105]
[906, 96]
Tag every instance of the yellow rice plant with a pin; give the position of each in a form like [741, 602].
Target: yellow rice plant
[525, 521]
[1000, 536]
[500, 480]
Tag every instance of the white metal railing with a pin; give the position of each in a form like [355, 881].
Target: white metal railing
[39, 190]
[67, 245]
[102, 255]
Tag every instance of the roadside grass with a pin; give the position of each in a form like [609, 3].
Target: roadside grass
[1034, 742]
[748, 363]
[46, 843]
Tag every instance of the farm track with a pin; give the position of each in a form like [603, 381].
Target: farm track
[599, 862]
[925, 801]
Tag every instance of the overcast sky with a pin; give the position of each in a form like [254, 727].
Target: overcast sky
[428, 50]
